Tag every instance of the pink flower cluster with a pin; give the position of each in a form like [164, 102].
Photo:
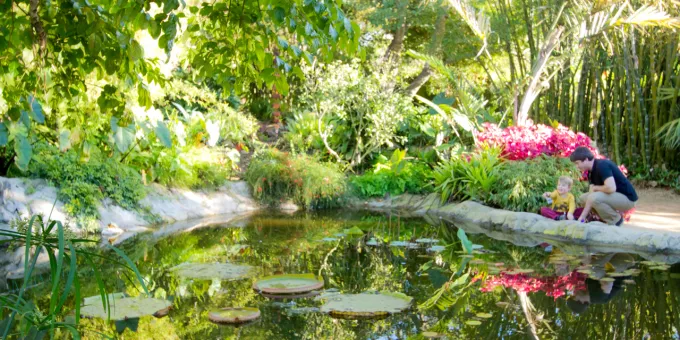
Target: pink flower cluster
[554, 286]
[530, 141]
[523, 142]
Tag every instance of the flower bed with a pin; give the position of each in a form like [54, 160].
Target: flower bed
[527, 142]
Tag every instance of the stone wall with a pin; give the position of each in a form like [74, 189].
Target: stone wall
[501, 224]
[24, 197]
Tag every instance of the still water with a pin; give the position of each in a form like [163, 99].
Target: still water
[499, 291]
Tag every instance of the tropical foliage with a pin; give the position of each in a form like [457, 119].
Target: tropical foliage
[277, 176]
[394, 176]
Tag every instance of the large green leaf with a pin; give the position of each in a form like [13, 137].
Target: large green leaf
[24, 152]
[123, 136]
[3, 134]
[64, 140]
[36, 110]
[163, 134]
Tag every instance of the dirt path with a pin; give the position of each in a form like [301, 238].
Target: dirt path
[656, 209]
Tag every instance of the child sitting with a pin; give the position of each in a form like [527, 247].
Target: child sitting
[563, 202]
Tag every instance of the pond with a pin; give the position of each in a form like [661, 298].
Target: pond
[500, 290]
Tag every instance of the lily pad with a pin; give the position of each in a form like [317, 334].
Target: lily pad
[372, 242]
[585, 271]
[473, 322]
[659, 268]
[207, 271]
[436, 249]
[432, 335]
[124, 307]
[607, 279]
[427, 240]
[288, 284]
[629, 282]
[484, 315]
[234, 315]
[365, 305]
[404, 244]
[291, 296]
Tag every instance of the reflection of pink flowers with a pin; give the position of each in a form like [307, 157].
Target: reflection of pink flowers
[554, 286]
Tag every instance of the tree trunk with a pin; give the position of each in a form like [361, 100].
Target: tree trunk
[394, 49]
[420, 80]
[534, 87]
[435, 44]
[40, 36]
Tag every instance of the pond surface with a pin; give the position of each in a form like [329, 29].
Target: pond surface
[500, 291]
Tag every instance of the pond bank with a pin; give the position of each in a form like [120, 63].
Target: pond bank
[478, 217]
[25, 197]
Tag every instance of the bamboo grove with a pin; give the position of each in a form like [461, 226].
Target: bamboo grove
[608, 69]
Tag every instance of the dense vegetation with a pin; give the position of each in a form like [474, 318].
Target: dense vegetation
[312, 101]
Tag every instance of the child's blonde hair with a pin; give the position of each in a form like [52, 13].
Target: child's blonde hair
[566, 180]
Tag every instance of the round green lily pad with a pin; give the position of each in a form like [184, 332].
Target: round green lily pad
[432, 335]
[365, 305]
[404, 244]
[484, 315]
[288, 284]
[125, 307]
[607, 279]
[473, 322]
[234, 315]
[427, 240]
[208, 271]
[436, 249]
[291, 296]
[372, 242]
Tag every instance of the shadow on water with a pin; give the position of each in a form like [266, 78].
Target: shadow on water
[501, 290]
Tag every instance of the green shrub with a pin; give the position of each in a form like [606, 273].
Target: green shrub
[394, 176]
[303, 132]
[469, 176]
[360, 114]
[195, 168]
[521, 183]
[82, 185]
[277, 176]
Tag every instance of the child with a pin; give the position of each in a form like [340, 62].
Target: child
[563, 202]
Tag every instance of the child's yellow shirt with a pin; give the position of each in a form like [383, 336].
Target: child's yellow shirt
[563, 204]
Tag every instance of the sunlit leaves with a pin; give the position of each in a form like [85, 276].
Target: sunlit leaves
[242, 32]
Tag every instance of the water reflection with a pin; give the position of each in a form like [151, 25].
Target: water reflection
[500, 290]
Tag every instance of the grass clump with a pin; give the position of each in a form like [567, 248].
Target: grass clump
[277, 176]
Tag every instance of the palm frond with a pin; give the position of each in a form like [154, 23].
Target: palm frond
[476, 20]
[652, 17]
[670, 134]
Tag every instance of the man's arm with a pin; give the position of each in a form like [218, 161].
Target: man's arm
[609, 186]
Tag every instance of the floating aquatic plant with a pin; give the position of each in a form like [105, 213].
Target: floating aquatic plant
[123, 307]
[288, 284]
[207, 271]
[234, 315]
[364, 305]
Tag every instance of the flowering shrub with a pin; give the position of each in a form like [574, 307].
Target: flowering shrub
[523, 142]
[527, 142]
[554, 286]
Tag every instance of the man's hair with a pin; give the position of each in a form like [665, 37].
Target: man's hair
[566, 180]
[581, 154]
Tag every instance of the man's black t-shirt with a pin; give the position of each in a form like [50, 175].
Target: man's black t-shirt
[603, 169]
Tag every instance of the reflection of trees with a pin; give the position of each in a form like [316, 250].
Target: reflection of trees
[293, 246]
